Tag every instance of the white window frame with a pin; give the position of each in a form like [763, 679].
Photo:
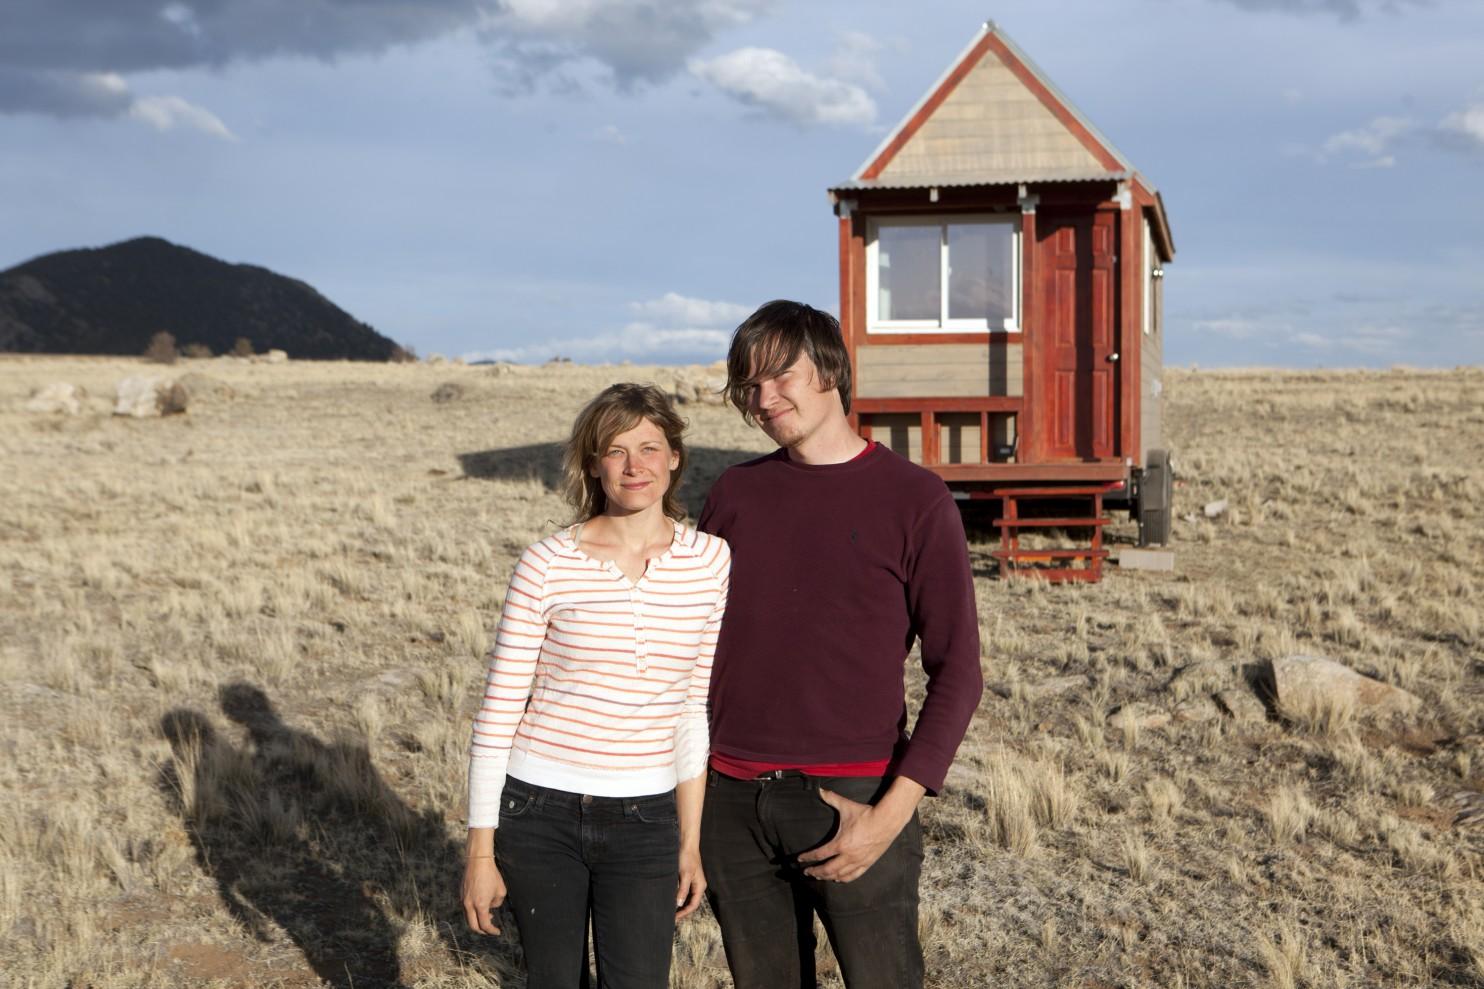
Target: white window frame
[874, 324]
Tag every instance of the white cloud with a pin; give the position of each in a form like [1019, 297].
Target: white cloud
[1235, 327]
[636, 341]
[855, 60]
[1374, 141]
[635, 40]
[676, 309]
[1375, 341]
[610, 134]
[773, 83]
[672, 329]
[1466, 127]
[166, 112]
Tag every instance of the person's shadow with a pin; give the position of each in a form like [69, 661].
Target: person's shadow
[305, 837]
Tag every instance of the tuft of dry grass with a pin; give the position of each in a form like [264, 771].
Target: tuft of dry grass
[1288, 813]
[1285, 956]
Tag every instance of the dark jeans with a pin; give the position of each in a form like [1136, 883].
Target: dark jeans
[562, 853]
[752, 832]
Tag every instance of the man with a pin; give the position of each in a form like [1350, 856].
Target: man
[844, 553]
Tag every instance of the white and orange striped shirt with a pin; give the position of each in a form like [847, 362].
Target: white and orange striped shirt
[597, 684]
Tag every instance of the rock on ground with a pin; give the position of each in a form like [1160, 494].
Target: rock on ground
[202, 386]
[1140, 714]
[59, 396]
[143, 396]
[449, 391]
[1242, 706]
[1197, 709]
[710, 390]
[1036, 689]
[1307, 681]
[275, 357]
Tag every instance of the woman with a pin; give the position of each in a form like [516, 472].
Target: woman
[590, 748]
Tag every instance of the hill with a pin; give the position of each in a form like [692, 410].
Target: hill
[111, 300]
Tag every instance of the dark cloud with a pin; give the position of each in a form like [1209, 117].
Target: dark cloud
[55, 52]
[1348, 10]
[133, 35]
[62, 94]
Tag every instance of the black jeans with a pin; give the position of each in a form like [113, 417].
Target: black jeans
[562, 853]
[751, 834]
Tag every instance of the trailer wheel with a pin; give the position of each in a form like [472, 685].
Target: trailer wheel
[1156, 498]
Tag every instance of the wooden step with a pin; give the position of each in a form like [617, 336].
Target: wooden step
[1048, 523]
[1082, 490]
[1049, 554]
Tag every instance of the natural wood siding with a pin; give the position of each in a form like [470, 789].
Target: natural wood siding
[939, 370]
[1151, 379]
[898, 430]
[958, 437]
[990, 124]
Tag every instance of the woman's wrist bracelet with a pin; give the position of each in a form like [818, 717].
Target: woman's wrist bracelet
[480, 856]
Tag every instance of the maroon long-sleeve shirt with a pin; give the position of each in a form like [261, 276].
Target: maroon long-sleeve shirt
[836, 571]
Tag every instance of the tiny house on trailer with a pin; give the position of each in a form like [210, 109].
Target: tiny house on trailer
[1000, 296]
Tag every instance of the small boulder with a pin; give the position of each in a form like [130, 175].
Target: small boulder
[1037, 689]
[1197, 709]
[57, 397]
[1141, 715]
[1309, 682]
[275, 357]
[202, 386]
[449, 391]
[710, 390]
[144, 396]
[1241, 706]
[1215, 509]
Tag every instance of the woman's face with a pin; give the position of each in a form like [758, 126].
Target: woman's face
[634, 468]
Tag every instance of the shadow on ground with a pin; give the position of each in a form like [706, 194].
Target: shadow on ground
[304, 837]
[543, 462]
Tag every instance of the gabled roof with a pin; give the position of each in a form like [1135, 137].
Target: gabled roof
[994, 118]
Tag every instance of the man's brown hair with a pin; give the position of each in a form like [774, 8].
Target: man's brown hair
[618, 409]
[771, 339]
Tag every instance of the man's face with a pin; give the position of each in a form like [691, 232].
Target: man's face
[791, 405]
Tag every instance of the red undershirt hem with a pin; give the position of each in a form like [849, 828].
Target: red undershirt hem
[747, 769]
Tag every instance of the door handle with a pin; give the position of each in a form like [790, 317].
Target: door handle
[1113, 357]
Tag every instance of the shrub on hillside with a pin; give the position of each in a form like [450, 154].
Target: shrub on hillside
[195, 350]
[242, 348]
[402, 355]
[161, 349]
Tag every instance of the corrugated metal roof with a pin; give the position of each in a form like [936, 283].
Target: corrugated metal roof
[961, 181]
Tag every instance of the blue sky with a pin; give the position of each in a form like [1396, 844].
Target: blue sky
[611, 179]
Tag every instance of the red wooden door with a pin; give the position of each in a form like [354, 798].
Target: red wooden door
[1078, 327]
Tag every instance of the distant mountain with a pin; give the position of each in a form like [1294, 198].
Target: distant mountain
[111, 300]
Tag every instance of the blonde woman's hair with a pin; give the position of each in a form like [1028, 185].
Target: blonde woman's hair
[617, 409]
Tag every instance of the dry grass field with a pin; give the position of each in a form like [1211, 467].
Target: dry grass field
[240, 649]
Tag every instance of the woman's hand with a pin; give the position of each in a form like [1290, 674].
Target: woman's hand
[483, 893]
[692, 883]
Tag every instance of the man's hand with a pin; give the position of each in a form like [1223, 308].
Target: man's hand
[692, 883]
[865, 832]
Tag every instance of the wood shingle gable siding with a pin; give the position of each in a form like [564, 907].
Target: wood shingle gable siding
[990, 124]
